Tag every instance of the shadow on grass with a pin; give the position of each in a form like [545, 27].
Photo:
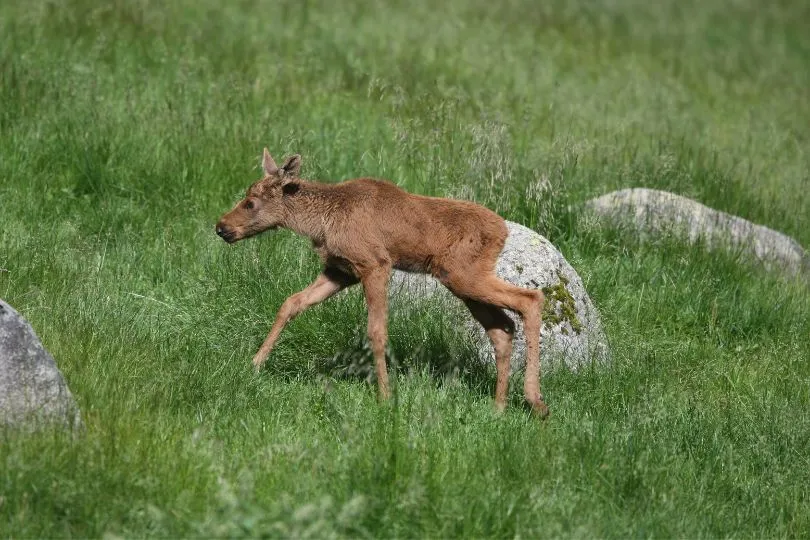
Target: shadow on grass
[444, 357]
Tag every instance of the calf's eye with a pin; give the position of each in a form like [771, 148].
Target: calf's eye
[249, 205]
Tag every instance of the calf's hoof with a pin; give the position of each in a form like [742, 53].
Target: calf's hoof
[540, 410]
[257, 364]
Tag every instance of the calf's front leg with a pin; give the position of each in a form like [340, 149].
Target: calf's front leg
[327, 284]
[375, 288]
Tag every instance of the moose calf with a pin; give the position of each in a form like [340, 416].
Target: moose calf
[363, 228]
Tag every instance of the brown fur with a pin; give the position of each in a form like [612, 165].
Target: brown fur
[364, 228]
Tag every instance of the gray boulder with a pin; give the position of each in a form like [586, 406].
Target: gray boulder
[32, 390]
[572, 333]
[652, 212]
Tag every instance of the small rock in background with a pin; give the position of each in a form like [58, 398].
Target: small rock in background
[33, 392]
[654, 212]
[572, 333]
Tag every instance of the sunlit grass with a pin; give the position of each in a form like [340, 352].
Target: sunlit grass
[127, 128]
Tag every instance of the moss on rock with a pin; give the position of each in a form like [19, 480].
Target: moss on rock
[560, 307]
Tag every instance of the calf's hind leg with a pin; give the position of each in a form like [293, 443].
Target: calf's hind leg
[501, 330]
[488, 288]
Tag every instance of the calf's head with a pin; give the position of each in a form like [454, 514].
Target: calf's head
[264, 205]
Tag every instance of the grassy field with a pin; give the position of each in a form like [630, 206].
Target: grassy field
[128, 127]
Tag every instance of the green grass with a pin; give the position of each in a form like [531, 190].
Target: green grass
[128, 127]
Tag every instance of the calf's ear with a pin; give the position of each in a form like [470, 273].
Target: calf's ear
[268, 164]
[292, 166]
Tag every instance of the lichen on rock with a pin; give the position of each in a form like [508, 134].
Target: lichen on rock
[559, 307]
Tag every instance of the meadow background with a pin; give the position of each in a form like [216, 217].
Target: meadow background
[127, 127]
